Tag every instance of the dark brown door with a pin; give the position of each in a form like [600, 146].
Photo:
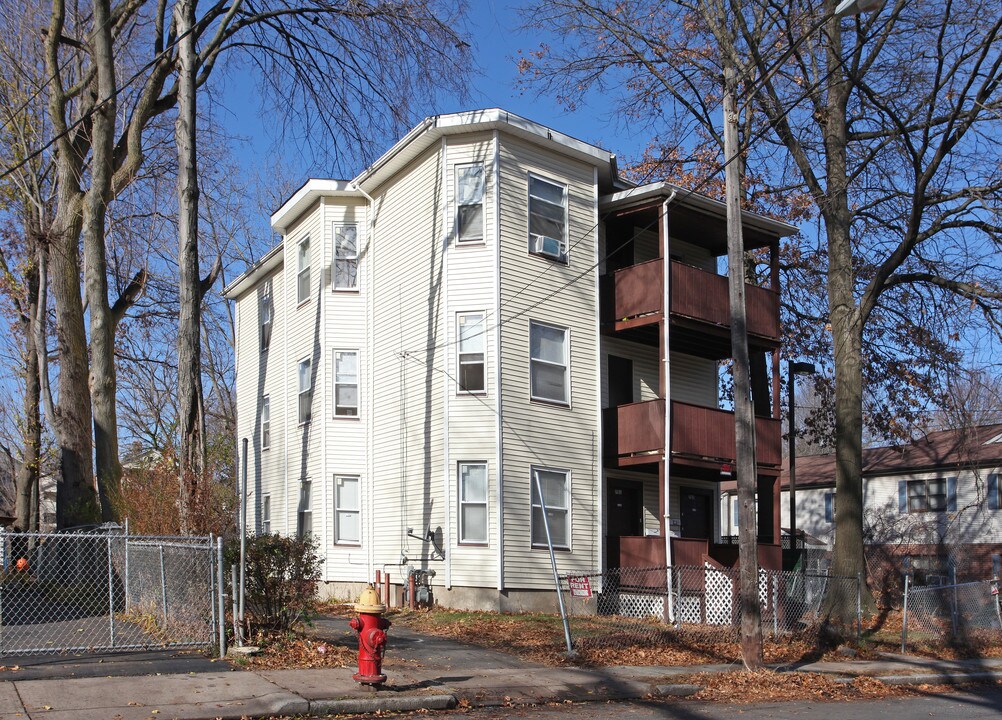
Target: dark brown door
[696, 512]
[625, 516]
[620, 381]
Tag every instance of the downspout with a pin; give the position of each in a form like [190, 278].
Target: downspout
[325, 409]
[597, 560]
[370, 223]
[499, 436]
[666, 319]
[447, 325]
[285, 389]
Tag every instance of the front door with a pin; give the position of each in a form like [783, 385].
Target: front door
[620, 381]
[625, 516]
[696, 512]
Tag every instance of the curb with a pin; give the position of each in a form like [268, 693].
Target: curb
[945, 678]
[400, 703]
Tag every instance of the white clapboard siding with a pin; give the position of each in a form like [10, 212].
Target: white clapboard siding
[302, 340]
[692, 254]
[260, 374]
[406, 362]
[345, 438]
[537, 433]
[471, 286]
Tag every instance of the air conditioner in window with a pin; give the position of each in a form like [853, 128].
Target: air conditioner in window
[936, 580]
[551, 247]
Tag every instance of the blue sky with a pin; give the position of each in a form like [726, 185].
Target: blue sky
[495, 40]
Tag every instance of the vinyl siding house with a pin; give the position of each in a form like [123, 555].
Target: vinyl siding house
[486, 306]
[931, 505]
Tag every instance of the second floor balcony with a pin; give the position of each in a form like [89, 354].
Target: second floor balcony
[634, 434]
[699, 300]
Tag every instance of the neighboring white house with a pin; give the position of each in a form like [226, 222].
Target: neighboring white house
[934, 501]
[428, 340]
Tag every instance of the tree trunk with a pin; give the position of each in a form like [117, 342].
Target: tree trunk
[102, 327]
[189, 365]
[26, 483]
[848, 559]
[76, 493]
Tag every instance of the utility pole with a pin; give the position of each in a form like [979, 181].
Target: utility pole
[744, 413]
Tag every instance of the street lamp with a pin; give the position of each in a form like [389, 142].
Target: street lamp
[793, 369]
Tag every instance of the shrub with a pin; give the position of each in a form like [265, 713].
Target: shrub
[281, 580]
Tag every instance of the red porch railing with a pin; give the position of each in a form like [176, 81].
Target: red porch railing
[695, 293]
[697, 431]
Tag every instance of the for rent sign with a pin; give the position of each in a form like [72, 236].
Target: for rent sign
[580, 586]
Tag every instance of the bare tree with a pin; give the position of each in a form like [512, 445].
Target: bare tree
[111, 78]
[887, 125]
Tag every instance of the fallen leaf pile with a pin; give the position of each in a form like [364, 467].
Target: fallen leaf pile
[284, 652]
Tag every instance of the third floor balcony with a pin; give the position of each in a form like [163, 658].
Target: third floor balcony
[633, 297]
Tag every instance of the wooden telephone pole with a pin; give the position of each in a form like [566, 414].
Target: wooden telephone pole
[744, 414]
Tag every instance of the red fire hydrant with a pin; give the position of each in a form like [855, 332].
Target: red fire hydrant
[371, 628]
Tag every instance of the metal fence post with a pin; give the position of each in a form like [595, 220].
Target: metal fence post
[859, 605]
[127, 598]
[219, 580]
[904, 617]
[111, 595]
[163, 583]
[776, 605]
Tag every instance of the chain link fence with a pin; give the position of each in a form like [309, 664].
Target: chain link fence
[960, 613]
[651, 604]
[78, 592]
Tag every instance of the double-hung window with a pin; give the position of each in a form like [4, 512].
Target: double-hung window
[929, 495]
[305, 528]
[346, 257]
[303, 271]
[549, 376]
[470, 203]
[555, 485]
[266, 316]
[266, 514]
[470, 358]
[346, 383]
[473, 503]
[347, 510]
[265, 422]
[547, 218]
[305, 390]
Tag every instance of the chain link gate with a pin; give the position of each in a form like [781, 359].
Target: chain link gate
[960, 612]
[106, 590]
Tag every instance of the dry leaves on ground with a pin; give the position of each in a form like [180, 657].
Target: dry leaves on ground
[285, 652]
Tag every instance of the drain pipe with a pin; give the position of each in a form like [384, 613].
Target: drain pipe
[243, 542]
[666, 315]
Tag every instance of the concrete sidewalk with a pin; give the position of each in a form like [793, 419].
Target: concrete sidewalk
[235, 693]
[424, 673]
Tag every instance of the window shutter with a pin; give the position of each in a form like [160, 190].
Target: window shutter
[993, 492]
[902, 496]
[829, 515]
[951, 494]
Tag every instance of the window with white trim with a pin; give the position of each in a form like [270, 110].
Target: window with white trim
[473, 503]
[345, 257]
[549, 376]
[305, 391]
[347, 510]
[305, 524]
[346, 383]
[470, 352]
[267, 311]
[266, 514]
[556, 497]
[303, 271]
[470, 203]
[547, 218]
[265, 422]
